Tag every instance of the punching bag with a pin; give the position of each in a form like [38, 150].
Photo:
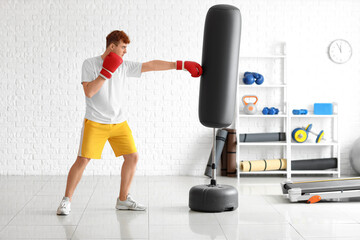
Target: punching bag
[217, 98]
[220, 60]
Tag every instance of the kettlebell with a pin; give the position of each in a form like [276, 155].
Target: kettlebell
[250, 107]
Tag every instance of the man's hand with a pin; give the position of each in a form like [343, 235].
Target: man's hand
[111, 62]
[194, 68]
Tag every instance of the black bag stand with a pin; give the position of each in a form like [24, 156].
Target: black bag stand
[213, 197]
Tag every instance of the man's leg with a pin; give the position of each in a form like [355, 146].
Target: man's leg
[75, 174]
[127, 174]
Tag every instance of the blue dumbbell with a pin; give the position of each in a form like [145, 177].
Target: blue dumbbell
[270, 111]
[300, 111]
[273, 111]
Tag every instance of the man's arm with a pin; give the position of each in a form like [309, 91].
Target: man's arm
[111, 62]
[157, 65]
[194, 68]
[91, 88]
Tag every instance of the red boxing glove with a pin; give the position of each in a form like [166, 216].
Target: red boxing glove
[194, 68]
[111, 62]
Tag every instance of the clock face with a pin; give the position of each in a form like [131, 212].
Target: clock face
[340, 51]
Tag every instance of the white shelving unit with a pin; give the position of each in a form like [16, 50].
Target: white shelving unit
[332, 139]
[282, 116]
[285, 117]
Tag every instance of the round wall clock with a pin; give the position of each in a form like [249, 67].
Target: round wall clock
[340, 51]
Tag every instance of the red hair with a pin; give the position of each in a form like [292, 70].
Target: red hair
[115, 37]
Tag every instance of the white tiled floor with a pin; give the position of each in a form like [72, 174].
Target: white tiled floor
[29, 203]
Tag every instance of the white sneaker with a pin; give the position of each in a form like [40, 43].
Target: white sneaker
[129, 204]
[64, 207]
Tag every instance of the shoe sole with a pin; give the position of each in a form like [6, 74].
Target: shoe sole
[62, 213]
[131, 209]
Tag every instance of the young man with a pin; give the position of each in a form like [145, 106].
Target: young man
[102, 79]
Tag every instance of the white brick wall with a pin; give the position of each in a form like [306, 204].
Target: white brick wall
[43, 44]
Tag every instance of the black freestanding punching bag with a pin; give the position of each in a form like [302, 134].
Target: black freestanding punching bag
[218, 87]
[220, 59]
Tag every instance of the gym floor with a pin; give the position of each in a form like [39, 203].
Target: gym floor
[29, 203]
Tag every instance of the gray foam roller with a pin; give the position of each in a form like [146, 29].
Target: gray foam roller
[220, 142]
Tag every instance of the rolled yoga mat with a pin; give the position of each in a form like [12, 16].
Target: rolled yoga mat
[314, 164]
[220, 60]
[224, 156]
[220, 142]
[231, 154]
[263, 137]
[263, 165]
[228, 155]
[280, 164]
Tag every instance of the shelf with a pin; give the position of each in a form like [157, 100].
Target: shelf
[289, 148]
[313, 116]
[262, 86]
[263, 56]
[293, 172]
[314, 144]
[284, 144]
[265, 172]
[314, 172]
[262, 116]
[262, 143]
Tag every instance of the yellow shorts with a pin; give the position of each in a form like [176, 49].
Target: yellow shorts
[94, 136]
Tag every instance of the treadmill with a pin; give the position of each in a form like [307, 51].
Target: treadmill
[314, 191]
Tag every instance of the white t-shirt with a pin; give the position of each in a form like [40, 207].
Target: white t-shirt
[106, 105]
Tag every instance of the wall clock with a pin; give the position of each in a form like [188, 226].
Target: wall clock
[340, 51]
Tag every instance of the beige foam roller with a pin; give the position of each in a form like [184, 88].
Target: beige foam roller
[263, 165]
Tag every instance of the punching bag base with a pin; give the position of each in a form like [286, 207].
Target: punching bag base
[213, 198]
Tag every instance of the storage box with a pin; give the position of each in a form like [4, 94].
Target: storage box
[323, 108]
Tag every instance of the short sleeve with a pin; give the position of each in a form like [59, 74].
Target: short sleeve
[133, 69]
[87, 73]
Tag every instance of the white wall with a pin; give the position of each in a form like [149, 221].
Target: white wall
[43, 45]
